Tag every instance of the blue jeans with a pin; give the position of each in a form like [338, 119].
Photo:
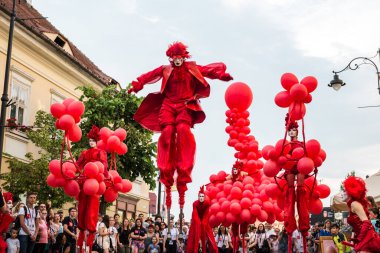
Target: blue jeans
[26, 244]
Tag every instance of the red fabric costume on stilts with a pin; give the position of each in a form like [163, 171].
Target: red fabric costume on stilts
[200, 229]
[5, 220]
[174, 110]
[366, 237]
[88, 206]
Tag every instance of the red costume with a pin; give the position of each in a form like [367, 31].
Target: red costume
[366, 239]
[174, 110]
[200, 229]
[88, 206]
[5, 220]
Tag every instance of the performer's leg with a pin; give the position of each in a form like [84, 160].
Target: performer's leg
[165, 155]
[303, 211]
[92, 218]
[289, 212]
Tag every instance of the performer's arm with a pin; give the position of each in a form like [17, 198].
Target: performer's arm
[215, 71]
[147, 78]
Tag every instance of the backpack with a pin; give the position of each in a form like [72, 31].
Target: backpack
[17, 223]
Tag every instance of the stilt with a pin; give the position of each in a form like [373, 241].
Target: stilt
[180, 223]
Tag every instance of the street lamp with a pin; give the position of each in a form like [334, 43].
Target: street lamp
[337, 83]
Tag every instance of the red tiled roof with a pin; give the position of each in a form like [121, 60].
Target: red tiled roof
[39, 26]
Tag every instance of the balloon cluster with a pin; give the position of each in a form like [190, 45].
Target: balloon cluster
[91, 180]
[68, 114]
[242, 201]
[238, 98]
[296, 94]
[282, 155]
[112, 141]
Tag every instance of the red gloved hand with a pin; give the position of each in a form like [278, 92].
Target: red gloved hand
[226, 77]
[136, 87]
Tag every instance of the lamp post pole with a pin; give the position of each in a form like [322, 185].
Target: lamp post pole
[4, 97]
[159, 197]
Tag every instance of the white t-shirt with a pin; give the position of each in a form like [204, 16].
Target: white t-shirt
[298, 241]
[113, 233]
[223, 240]
[173, 231]
[29, 219]
[12, 245]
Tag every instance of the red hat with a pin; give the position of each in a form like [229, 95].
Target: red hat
[201, 189]
[8, 196]
[177, 49]
[290, 124]
[355, 187]
[94, 133]
[238, 165]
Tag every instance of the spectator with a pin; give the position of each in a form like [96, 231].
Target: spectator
[123, 238]
[170, 239]
[251, 239]
[283, 241]
[223, 240]
[17, 208]
[261, 239]
[157, 219]
[13, 244]
[297, 242]
[100, 219]
[154, 247]
[316, 236]
[113, 234]
[141, 217]
[103, 239]
[180, 245]
[117, 221]
[150, 234]
[374, 217]
[326, 229]
[70, 225]
[339, 238]
[62, 246]
[138, 235]
[42, 238]
[56, 228]
[60, 212]
[274, 241]
[29, 217]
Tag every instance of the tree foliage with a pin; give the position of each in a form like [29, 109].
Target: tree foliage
[31, 175]
[115, 108]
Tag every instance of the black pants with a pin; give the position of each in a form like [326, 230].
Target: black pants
[171, 247]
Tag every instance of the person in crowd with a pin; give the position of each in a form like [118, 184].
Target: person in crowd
[70, 225]
[103, 239]
[144, 223]
[160, 238]
[42, 237]
[185, 235]
[60, 212]
[56, 228]
[180, 245]
[297, 241]
[29, 217]
[154, 247]
[251, 239]
[274, 241]
[339, 238]
[113, 234]
[157, 219]
[123, 238]
[100, 220]
[150, 234]
[262, 240]
[149, 221]
[283, 241]
[372, 202]
[170, 238]
[326, 228]
[62, 245]
[13, 244]
[138, 235]
[223, 240]
[17, 208]
[355, 197]
[117, 221]
[373, 215]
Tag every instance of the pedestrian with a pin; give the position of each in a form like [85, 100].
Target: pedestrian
[56, 228]
[223, 240]
[170, 238]
[326, 228]
[117, 221]
[154, 247]
[262, 240]
[103, 239]
[29, 217]
[13, 244]
[70, 225]
[297, 241]
[42, 238]
[123, 238]
[339, 238]
[138, 235]
[283, 241]
[150, 234]
[113, 234]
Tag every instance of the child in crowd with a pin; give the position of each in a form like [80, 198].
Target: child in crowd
[13, 244]
[154, 247]
[339, 238]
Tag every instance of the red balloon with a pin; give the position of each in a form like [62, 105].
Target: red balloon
[247, 194]
[230, 218]
[122, 149]
[257, 201]
[121, 133]
[245, 203]
[222, 175]
[55, 167]
[316, 206]
[245, 215]
[268, 207]
[110, 195]
[213, 221]
[255, 210]
[310, 83]
[76, 109]
[105, 133]
[283, 99]
[297, 110]
[298, 92]
[271, 218]
[235, 208]
[282, 147]
[305, 165]
[71, 188]
[113, 143]
[91, 186]
[118, 187]
[102, 188]
[236, 193]
[263, 216]
[272, 190]
[308, 99]
[313, 148]
[100, 166]
[298, 153]
[127, 186]
[271, 168]
[69, 169]
[227, 189]
[322, 155]
[288, 80]
[68, 101]
[220, 216]
[66, 122]
[57, 110]
[51, 181]
[248, 180]
[324, 191]
[214, 208]
[238, 95]
[75, 133]
[91, 170]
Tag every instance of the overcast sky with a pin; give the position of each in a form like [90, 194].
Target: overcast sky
[258, 41]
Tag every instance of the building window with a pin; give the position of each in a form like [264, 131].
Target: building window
[20, 101]
[60, 41]
[56, 98]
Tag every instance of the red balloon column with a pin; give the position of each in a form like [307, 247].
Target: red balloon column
[89, 178]
[293, 164]
[241, 198]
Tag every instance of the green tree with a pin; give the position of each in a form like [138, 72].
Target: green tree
[115, 108]
[31, 175]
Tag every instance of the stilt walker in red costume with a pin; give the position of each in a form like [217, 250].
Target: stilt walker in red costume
[88, 206]
[365, 239]
[173, 111]
[200, 233]
[5, 218]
